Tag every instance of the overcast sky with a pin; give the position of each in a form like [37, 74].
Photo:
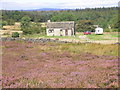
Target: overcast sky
[71, 4]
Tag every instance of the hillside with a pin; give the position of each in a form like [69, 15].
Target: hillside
[95, 16]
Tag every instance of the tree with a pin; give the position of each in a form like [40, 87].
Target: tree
[64, 16]
[29, 27]
[25, 24]
[16, 15]
[36, 28]
[85, 25]
[10, 22]
[4, 23]
[102, 16]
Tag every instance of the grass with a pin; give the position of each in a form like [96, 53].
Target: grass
[111, 36]
[106, 36]
[32, 83]
[77, 48]
[98, 37]
[45, 36]
[98, 49]
[115, 35]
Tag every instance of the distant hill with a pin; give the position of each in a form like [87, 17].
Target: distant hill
[46, 9]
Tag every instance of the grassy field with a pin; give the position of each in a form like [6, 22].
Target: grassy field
[78, 36]
[59, 65]
[105, 36]
[109, 36]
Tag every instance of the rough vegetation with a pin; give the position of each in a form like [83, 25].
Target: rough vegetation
[15, 34]
[57, 65]
[39, 63]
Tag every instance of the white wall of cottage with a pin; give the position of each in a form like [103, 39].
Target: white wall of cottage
[58, 32]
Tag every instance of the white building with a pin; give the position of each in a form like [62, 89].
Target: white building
[60, 28]
[99, 30]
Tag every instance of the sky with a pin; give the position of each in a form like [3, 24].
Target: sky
[70, 4]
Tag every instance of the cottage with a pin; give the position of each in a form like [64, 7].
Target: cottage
[60, 28]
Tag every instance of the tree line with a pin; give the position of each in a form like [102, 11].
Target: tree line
[85, 19]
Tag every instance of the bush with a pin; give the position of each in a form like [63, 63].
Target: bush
[34, 28]
[4, 23]
[15, 34]
[27, 31]
[106, 30]
[6, 34]
[10, 22]
[112, 30]
[115, 30]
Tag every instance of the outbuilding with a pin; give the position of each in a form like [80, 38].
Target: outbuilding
[98, 30]
[60, 28]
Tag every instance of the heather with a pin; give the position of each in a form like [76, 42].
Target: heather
[59, 65]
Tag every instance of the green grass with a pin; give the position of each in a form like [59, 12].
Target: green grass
[105, 36]
[112, 36]
[98, 37]
[45, 36]
[115, 35]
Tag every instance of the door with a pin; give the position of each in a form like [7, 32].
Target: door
[66, 32]
[61, 32]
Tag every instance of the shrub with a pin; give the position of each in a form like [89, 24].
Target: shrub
[34, 28]
[15, 34]
[25, 25]
[106, 30]
[115, 30]
[4, 23]
[10, 22]
[6, 34]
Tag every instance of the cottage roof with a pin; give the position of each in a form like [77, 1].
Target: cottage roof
[68, 24]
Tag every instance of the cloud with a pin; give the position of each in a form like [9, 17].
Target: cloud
[36, 4]
[90, 3]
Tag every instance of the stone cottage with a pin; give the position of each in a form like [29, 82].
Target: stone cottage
[60, 28]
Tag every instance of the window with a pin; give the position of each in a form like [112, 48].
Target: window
[61, 30]
[51, 30]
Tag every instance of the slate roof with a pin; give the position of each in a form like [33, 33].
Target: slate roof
[68, 24]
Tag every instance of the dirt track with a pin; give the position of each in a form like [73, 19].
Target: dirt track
[29, 65]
